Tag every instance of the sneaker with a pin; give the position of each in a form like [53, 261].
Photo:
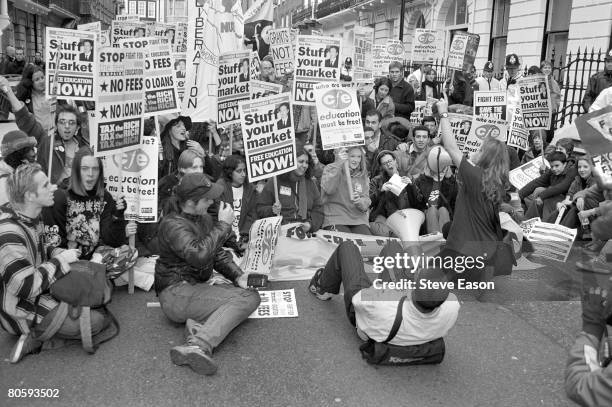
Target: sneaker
[197, 359]
[316, 289]
[25, 345]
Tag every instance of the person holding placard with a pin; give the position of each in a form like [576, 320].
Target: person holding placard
[346, 211]
[175, 140]
[299, 199]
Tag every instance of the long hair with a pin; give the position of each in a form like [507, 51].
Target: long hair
[230, 164]
[494, 162]
[310, 171]
[76, 181]
[24, 89]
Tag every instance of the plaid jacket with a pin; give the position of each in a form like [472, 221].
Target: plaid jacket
[25, 274]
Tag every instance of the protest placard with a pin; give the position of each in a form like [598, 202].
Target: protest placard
[490, 104]
[551, 241]
[126, 29]
[161, 93]
[263, 237]
[261, 89]
[317, 59]
[180, 72]
[255, 66]
[380, 61]
[162, 30]
[133, 174]
[595, 130]
[339, 116]
[427, 45]
[418, 113]
[363, 62]
[95, 27]
[523, 175]
[117, 124]
[518, 136]
[535, 101]
[72, 61]
[481, 128]
[396, 51]
[460, 126]
[603, 162]
[276, 304]
[180, 43]
[527, 225]
[281, 50]
[105, 40]
[127, 17]
[269, 139]
[233, 86]
[462, 52]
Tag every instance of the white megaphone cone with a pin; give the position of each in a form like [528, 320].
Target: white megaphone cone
[406, 224]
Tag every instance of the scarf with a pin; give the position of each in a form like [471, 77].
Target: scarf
[302, 195]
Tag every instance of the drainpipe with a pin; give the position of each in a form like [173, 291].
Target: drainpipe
[5, 21]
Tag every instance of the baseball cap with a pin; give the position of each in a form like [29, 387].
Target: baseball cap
[512, 61]
[14, 141]
[196, 186]
[488, 66]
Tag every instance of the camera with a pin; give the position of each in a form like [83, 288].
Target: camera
[257, 280]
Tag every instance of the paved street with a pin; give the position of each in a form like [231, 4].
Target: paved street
[507, 352]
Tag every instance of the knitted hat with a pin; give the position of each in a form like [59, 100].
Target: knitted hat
[14, 141]
[488, 66]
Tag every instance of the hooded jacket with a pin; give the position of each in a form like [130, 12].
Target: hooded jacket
[337, 204]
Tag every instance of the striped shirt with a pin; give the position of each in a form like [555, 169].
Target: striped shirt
[25, 274]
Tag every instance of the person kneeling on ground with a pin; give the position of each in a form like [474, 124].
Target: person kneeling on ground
[428, 315]
[190, 245]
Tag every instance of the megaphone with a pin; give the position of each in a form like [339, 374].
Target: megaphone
[406, 224]
[438, 159]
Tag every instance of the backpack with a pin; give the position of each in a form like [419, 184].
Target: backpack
[383, 353]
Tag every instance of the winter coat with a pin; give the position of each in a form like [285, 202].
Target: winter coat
[386, 107]
[403, 97]
[554, 184]
[597, 83]
[190, 246]
[448, 191]
[579, 184]
[387, 203]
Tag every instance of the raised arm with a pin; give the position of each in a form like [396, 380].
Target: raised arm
[448, 139]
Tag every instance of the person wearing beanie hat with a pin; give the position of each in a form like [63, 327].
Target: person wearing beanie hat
[598, 82]
[190, 246]
[428, 314]
[16, 149]
[487, 81]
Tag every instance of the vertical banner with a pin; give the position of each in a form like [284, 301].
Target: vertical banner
[462, 52]
[519, 136]
[117, 124]
[126, 29]
[461, 124]
[483, 127]
[427, 45]
[134, 175]
[363, 63]
[269, 140]
[161, 94]
[281, 50]
[339, 116]
[261, 89]
[535, 101]
[233, 87]
[317, 60]
[381, 60]
[72, 59]
[257, 24]
[490, 104]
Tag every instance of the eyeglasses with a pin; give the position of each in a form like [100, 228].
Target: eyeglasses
[63, 122]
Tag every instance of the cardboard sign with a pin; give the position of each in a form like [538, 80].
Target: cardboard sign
[134, 175]
[117, 124]
[380, 60]
[523, 175]
[161, 95]
[180, 42]
[162, 30]
[339, 116]
[462, 52]
[269, 139]
[72, 61]
[604, 162]
[255, 66]
[483, 127]
[395, 51]
[127, 29]
[261, 89]
[180, 73]
[281, 50]
[427, 45]
[95, 27]
[535, 104]
[551, 241]
[519, 136]
[490, 104]
[276, 304]
[233, 86]
[461, 124]
[363, 62]
[595, 130]
[416, 117]
[263, 237]
[317, 60]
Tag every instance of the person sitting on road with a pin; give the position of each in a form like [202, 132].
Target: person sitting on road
[299, 197]
[86, 216]
[189, 161]
[17, 149]
[190, 245]
[346, 211]
[428, 314]
[29, 266]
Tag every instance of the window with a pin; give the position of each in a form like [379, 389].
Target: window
[151, 10]
[390, 27]
[557, 29]
[499, 34]
[457, 13]
[132, 7]
[142, 8]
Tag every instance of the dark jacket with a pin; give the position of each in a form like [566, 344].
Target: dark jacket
[387, 203]
[435, 86]
[463, 90]
[554, 184]
[190, 246]
[248, 212]
[289, 203]
[387, 142]
[448, 191]
[403, 98]
[597, 83]
[27, 123]
[15, 67]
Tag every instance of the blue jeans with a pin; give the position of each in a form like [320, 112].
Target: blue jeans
[210, 312]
